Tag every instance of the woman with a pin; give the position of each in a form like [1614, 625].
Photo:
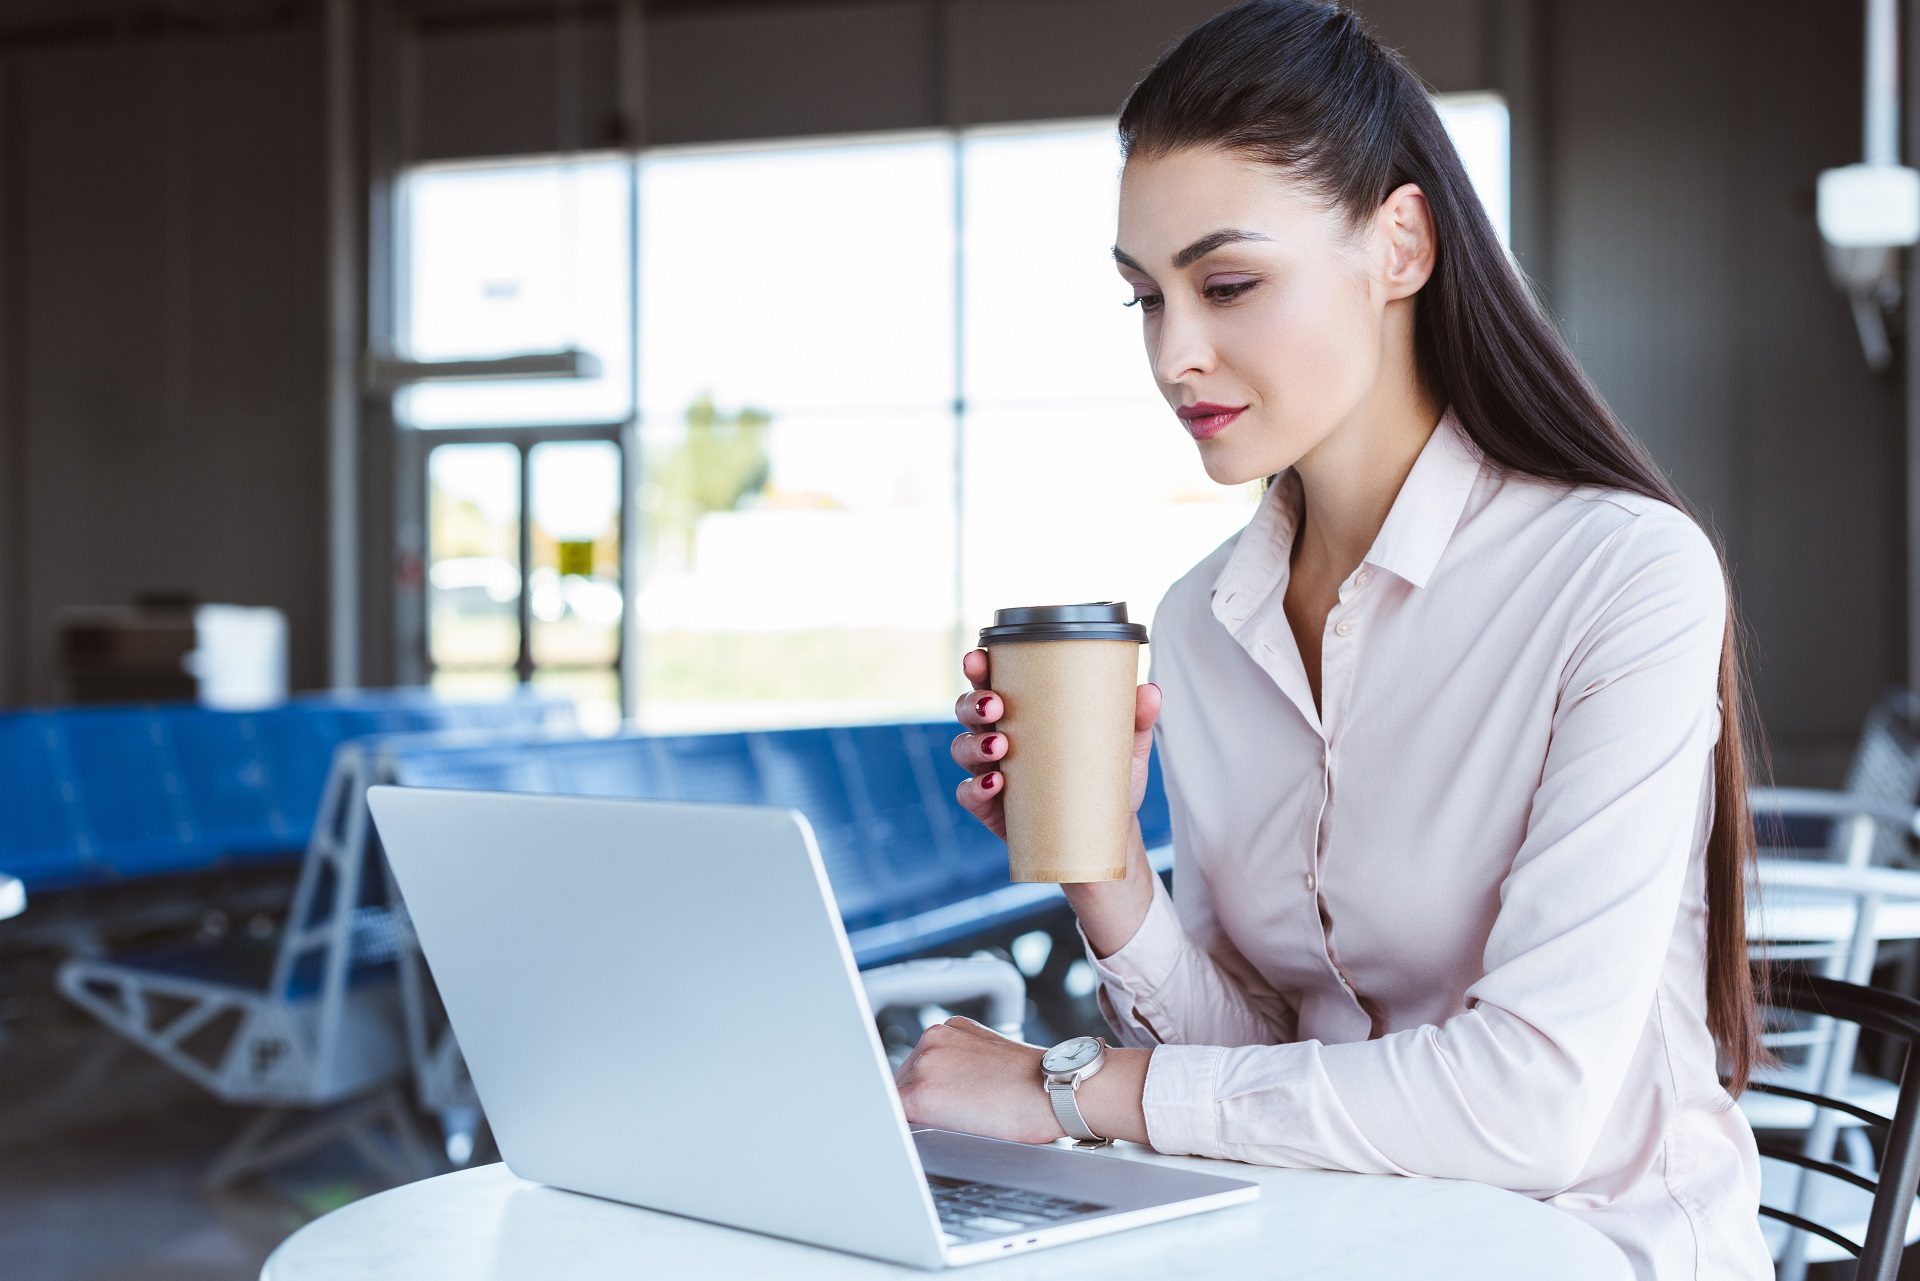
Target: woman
[1451, 731]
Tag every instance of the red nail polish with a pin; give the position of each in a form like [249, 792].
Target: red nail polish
[990, 782]
[980, 707]
[990, 742]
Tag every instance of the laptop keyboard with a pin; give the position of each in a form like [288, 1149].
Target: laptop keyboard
[971, 1211]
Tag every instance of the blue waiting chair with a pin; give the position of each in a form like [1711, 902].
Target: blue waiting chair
[108, 795]
[910, 869]
[309, 1019]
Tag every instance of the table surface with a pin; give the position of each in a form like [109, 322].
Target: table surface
[485, 1222]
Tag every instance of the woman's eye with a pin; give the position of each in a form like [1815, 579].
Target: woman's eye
[1219, 293]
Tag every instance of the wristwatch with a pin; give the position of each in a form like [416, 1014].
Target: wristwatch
[1062, 1069]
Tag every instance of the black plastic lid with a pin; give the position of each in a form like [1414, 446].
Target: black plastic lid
[1095, 620]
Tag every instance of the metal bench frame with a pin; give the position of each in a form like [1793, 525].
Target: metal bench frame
[324, 1062]
[289, 1055]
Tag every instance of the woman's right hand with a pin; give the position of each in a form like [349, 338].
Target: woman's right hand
[982, 795]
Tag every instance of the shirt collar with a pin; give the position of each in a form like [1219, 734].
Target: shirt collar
[1409, 544]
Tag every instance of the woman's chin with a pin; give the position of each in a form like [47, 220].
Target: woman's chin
[1224, 469]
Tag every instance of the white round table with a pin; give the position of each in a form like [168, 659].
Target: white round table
[1788, 908]
[1800, 915]
[486, 1223]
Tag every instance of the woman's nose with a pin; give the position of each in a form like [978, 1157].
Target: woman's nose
[1182, 347]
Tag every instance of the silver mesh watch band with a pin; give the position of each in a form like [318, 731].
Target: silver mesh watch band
[1066, 1110]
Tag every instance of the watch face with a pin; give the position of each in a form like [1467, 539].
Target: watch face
[1071, 1056]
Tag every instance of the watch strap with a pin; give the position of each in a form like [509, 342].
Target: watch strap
[1066, 1110]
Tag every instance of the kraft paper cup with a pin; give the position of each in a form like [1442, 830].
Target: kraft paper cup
[1066, 676]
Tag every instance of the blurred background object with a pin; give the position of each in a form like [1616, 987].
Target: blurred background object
[1870, 211]
[167, 649]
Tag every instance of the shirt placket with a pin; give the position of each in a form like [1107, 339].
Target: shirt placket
[1340, 643]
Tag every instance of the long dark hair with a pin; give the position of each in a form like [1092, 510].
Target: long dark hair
[1302, 85]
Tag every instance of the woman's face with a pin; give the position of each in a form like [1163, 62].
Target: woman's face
[1252, 298]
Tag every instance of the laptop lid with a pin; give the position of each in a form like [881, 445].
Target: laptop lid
[658, 1005]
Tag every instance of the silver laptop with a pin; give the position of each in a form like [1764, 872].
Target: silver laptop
[658, 1005]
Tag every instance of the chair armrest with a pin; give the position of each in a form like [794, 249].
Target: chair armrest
[942, 980]
[1812, 802]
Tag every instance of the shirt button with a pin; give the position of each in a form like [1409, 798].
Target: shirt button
[1360, 579]
[1345, 626]
[1310, 881]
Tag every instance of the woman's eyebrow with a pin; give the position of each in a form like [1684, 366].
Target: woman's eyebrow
[1197, 250]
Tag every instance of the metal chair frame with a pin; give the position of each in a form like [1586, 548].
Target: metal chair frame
[1898, 1018]
[1830, 1044]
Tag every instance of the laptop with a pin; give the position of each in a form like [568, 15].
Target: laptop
[658, 1005]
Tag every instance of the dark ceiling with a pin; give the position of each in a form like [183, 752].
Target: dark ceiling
[37, 20]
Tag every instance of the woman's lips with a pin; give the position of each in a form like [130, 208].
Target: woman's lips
[1206, 425]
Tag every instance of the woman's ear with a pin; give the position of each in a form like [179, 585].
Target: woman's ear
[1404, 232]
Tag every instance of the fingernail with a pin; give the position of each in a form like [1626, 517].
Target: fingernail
[980, 707]
[989, 782]
[990, 742]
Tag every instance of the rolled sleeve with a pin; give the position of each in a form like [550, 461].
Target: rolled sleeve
[1183, 1082]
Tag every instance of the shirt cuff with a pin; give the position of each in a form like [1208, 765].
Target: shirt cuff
[1180, 1099]
[1143, 963]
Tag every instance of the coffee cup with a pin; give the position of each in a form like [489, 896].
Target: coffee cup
[1066, 676]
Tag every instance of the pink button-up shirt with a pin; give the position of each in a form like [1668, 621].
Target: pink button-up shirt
[1453, 922]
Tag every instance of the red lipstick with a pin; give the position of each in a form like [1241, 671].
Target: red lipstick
[1205, 419]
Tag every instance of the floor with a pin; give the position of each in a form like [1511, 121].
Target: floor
[101, 1153]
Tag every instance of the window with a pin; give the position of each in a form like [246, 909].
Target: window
[504, 258]
[803, 277]
[1079, 484]
[879, 387]
[797, 436]
[1479, 127]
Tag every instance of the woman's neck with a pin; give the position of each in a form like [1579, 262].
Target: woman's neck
[1349, 481]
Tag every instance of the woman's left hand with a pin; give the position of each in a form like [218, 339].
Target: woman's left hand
[962, 1075]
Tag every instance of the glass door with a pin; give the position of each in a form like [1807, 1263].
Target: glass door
[575, 594]
[473, 569]
[524, 579]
